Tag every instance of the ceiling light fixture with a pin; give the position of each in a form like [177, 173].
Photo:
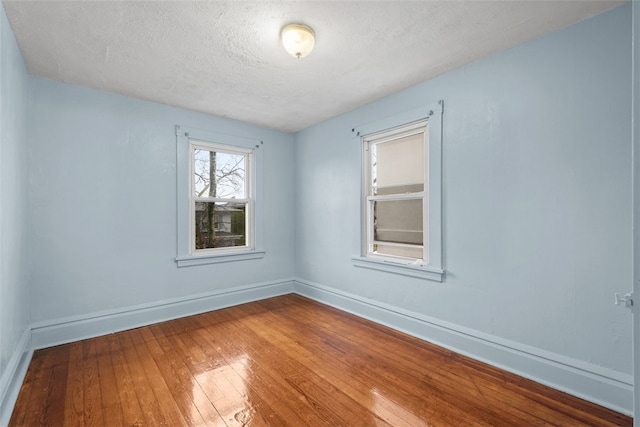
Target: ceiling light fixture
[298, 40]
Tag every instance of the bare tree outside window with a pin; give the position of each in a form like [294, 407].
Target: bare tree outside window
[219, 185]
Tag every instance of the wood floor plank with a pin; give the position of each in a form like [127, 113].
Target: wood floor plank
[53, 409]
[469, 392]
[132, 413]
[245, 342]
[350, 386]
[110, 393]
[45, 404]
[203, 370]
[180, 387]
[28, 391]
[167, 404]
[265, 393]
[314, 362]
[144, 389]
[322, 357]
[74, 399]
[93, 414]
[279, 396]
[232, 386]
[188, 384]
[285, 361]
[354, 356]
[414, 379]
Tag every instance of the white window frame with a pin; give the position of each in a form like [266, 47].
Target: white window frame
[187, 141]
[368, 141]
[247, 201]
[431, 267]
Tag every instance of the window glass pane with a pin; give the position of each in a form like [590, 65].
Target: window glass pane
[220, 225]
[219, 174]
[398, 221]
[398, 165]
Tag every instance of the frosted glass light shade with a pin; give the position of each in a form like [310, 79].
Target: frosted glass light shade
[298, 40]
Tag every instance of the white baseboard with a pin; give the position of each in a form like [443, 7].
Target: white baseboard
[75, 328]
[13, 376]
[599, 385]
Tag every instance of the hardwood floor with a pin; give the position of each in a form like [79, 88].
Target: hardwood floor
[285, 361]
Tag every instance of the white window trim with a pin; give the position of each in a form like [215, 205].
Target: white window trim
[419, 127]
[186, 140]
[249, 185]
[434, 270]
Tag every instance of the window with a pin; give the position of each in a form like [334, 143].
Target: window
[401, 194]
[395, 202]
[220, 197]
[219, 207]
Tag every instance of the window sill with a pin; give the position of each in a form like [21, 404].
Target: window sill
[428, 273]
[191, 260]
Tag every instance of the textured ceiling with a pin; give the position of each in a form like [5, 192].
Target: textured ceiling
[225, 57]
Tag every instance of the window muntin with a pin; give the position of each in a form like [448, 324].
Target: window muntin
[396, 203]
[221, 198]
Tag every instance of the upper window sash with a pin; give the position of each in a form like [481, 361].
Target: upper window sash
[247, 154]
[248, 169]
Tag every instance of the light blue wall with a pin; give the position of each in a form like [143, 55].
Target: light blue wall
[103, 203]
[537, 190]
[14, 307]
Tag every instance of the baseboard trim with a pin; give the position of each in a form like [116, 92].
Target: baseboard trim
[13, 376]
[602, 386]
[75, 328]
